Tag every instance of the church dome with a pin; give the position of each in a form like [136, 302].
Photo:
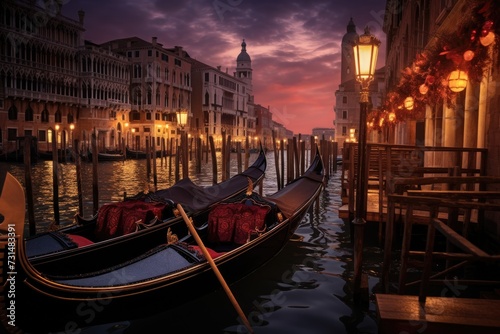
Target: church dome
[351, 34]
[243, 56]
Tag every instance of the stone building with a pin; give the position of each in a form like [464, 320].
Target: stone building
[160, 85]
[39, 73]
[125, 92]
[222, 103]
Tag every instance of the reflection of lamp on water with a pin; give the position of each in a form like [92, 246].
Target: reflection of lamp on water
[365, 58]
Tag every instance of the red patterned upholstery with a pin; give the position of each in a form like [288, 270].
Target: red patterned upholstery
[221, 223]
[79, 240]
[119, 218]
[235, 221]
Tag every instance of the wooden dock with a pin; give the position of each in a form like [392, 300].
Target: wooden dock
[404, 314]
[457, 196]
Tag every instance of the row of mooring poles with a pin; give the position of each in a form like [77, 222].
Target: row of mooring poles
[296, 158]
[184, 152]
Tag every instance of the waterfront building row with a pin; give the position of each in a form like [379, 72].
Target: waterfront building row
[56, 84]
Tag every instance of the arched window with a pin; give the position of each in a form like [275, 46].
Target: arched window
[45, 115]
[28, 115]
[13, 113]
[58, 116]
[71, 118]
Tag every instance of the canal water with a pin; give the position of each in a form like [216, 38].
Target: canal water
[306, 288]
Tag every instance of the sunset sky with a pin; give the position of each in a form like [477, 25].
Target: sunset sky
[294, 45]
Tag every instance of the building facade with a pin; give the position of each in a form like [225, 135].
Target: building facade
[56, 86]
[40, 82]
[222, 103]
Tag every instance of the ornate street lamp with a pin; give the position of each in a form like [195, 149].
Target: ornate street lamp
[365, 58]
[182, 116]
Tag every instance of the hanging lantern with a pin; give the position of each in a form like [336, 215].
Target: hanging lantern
[423, 89]
[392, 117]
[457, 81]
[408, 103]
[487, 39]
[468, 55]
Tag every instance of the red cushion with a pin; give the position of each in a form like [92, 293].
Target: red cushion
[221, 223]
[212, 253]
[116, 219]
[234, 222]
[79, 240]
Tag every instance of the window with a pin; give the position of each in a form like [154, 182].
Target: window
[135, 116]
[206, 99]
[45, 115]
[58, 116]
[11, 134]
[344, 99]
[344, 131]
[136, 53]
[42, 135]
[157, 116]
[206, 77]
[28, 115]
[148, 117]
[344, 114]
[150, 53]
[13, 113]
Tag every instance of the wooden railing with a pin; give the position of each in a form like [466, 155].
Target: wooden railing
[459, 209]
[387, 162]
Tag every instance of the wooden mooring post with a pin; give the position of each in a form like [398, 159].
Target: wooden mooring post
[29, 185]
[55, 180]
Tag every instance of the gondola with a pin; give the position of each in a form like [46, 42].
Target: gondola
[128, 228]
[135, 154]
[102, 156]
[167, 275]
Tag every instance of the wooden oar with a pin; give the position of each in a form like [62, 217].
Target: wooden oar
[221, 279]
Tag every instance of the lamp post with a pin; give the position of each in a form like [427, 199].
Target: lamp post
[126, 132]
[365, 58]
[182, 115]
[71, 127]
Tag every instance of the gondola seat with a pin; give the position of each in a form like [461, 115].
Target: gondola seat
[121, 218]
[235, 223]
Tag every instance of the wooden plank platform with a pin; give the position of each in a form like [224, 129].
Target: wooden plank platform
[404, 314]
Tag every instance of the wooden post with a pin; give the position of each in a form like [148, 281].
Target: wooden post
[223, 154]
[226, 160]
[184, 150]
[78, 167]
[296, 157]
[95, 181]
[29, 184]
[276, 161]
[238, 156]
[155, 176]
[177, 161]
[282, 180]
[148, 157]
[171, 143]
[247, 152]
[55, 180]
[199, 154]
[214, 160]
